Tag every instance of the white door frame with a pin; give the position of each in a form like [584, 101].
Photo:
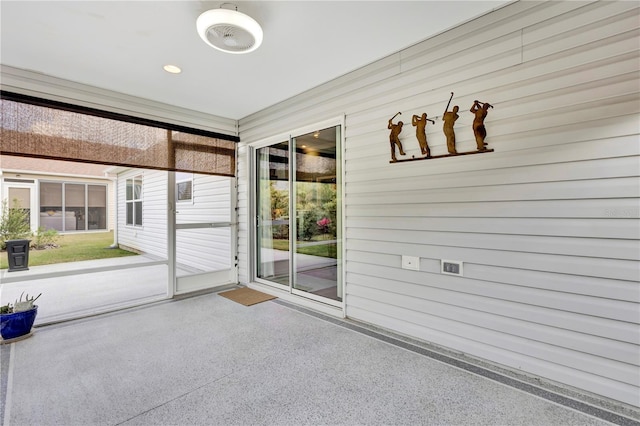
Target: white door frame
[253, 217]
[32, 185]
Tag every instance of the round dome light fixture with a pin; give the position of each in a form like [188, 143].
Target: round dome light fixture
[229, 31]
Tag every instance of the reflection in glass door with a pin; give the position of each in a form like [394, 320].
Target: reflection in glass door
[305, 203]
[316, 183]
[273, 213]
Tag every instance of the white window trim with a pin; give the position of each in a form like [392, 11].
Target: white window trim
[183, 180]
[134, 200]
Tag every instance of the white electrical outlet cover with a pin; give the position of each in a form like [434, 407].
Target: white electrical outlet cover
[411, 262]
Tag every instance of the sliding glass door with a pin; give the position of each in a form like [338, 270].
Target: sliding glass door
[298, 209]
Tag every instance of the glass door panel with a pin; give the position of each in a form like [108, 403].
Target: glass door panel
[20, 198]
[74, 207]
[273, 195]
[317, 200]
[51, 214]
[97, 211]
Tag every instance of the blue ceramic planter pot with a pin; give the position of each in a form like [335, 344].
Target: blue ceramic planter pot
[17, 324]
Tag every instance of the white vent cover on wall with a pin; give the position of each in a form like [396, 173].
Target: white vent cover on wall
[229, 31]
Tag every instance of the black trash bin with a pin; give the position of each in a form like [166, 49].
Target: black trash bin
[18, 254]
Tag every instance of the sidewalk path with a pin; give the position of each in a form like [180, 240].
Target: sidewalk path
[78, 289]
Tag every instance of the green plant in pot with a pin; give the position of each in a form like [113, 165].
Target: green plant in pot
[16, 319]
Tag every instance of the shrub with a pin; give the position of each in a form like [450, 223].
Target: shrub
[44, 238]
[308, 224]
[14, 222]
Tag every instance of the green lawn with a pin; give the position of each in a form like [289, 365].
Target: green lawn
[324, 250]
[73, 248]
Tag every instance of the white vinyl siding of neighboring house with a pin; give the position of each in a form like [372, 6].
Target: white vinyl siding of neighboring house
[151, 237]
[203, 249]
[547, 225]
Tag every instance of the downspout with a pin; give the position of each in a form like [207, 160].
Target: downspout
[115, 202]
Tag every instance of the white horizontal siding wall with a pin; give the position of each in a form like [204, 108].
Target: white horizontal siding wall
[151, 237]
[547, 225]
[211, 200]
[205, 249]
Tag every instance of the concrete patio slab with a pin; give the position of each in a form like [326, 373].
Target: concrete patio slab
[208, 360]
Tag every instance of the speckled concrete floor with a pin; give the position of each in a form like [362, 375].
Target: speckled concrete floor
[208, 360]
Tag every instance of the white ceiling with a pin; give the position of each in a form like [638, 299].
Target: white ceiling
[122, 45]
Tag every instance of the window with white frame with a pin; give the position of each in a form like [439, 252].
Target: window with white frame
[134, 201]
[73, 206]
[184, 187]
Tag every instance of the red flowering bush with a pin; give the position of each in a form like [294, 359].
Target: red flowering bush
[323, 224]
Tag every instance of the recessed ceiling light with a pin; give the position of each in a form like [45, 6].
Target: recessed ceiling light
[173, 69]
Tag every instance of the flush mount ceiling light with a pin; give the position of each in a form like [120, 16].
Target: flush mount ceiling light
[229, 30]
[173, 69]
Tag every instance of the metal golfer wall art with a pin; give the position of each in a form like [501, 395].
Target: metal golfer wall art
[480, 111]
[420, 124]
[394, 138]
[449, 118]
